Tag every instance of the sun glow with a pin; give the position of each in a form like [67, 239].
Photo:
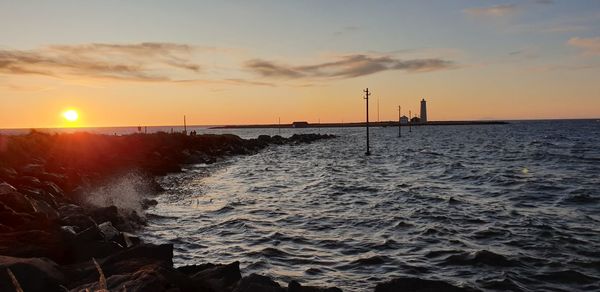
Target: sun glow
[71, 115]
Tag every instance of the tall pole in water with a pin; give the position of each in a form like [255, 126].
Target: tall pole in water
[399, 121]
[279, 126]
[367, 94]
[378, 109]
[409, 121]
[184, 125]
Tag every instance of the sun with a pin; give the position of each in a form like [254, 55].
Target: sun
[71, 115]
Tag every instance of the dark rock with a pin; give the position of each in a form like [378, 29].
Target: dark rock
[33, 243]
[32, 169]
[219, 277]
[149, 278]
[257, 283]
[103, 214]
[294, 286]
[17, 201]
[147, 203]
[109, 232]
[417, 285]
[6, 188]
[33, 274]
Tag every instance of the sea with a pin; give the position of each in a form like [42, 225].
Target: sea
[510, 207]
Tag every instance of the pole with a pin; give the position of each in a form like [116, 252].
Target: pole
[409, 121]
[279, 119]
[184, 125]
[378, 110]
[399, 121]
[367, 93]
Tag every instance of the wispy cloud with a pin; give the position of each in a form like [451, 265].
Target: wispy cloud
[495, 11]
[589, 46]
[142, 62]
[346, 30]
[348, 66]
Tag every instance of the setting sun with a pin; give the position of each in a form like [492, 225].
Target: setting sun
[71, 115]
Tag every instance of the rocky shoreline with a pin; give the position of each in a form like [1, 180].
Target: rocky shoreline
[53, 239]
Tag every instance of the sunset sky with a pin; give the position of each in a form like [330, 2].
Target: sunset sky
[129, 63]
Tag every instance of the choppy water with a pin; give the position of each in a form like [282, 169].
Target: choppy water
[503, 207]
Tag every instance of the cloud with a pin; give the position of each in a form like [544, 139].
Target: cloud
[141, 62]
[346, 30]
[348, 66]
[544, 1]
[495, 11]
[589, 46]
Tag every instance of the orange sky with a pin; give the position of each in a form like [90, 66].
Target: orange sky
[151, 66]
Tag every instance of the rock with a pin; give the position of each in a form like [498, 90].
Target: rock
[294, 286]
[147, 203]
[33, 274]
[17, 202]
[219, 277]
[33, 169]
[406, 284]
[43, 207]
[127, 239]
[6, 188]
[52, 188]
[257, 283]
[104, 214]
[33, 243]
[123, 262]
[109, 232]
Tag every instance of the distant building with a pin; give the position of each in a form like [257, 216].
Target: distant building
[404, 120]
[300, 124]
[415, 120]
[423, 111]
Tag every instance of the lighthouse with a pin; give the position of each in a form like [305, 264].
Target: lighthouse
[423, 111]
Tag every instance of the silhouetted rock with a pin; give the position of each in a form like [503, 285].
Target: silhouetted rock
[33, 274]
[218, 277]
[257, 283]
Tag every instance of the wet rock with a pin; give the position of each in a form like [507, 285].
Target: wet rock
[294, 286]
[44, 208]
[33, 243]
[219, 277]
[6, 188]
[33, 274]
[147, 203]
[108, 231]
[17, 202]
[103, 214]
[417, 285]
[33, 169]
[149, 278]
[257, 283]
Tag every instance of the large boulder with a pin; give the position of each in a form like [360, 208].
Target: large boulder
[218, 277]
[6, 188]
[257, 283]
[32, 274]
[33, 243]
[17, 201]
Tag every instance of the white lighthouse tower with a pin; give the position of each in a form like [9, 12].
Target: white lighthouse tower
[423, 118]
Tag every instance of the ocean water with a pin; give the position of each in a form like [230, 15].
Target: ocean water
[494, 207]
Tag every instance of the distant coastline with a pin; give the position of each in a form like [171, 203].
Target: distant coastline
[360, 124]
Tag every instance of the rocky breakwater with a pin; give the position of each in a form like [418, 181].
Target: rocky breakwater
[53, 239]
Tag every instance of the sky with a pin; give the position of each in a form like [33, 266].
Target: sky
[129, 63]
